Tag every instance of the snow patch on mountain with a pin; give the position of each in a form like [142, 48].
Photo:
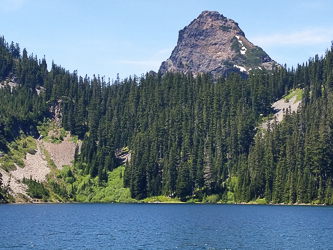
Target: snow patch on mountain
[242, 69]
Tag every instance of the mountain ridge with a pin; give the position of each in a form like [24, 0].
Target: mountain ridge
[213, 43]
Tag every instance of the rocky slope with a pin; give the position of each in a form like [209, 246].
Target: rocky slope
[63, 153]
[280, 108]
[37, 168]
[216, 44]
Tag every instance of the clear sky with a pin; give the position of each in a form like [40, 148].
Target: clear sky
[130, 37]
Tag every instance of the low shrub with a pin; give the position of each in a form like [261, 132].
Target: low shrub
[31, 151]
[212, 198]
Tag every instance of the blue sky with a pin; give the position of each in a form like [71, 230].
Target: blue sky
[129, 37]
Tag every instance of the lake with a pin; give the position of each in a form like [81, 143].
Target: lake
[165, 226]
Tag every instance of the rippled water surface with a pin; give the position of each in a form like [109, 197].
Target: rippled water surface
[165, 226]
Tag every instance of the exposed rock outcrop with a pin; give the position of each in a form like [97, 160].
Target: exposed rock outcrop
[280, 108]
[216, 44]
[10, 84]
[56, 109]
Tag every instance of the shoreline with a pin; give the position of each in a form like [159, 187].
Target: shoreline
[198, 203]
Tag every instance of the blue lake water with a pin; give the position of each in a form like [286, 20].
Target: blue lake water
[165, 226]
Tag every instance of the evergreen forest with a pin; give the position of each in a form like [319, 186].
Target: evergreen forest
[191, 138]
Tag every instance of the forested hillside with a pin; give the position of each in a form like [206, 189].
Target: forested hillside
[190, 138]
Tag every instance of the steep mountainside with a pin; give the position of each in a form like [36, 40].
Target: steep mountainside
[194, 139]
[214, 43]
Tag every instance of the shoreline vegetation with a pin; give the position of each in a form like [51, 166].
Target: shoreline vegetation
[170, 202]
[68, 175]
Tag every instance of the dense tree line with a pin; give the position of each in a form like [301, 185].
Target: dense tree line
[21, 108]
[188, 136]
[292, 161]
[36, 189]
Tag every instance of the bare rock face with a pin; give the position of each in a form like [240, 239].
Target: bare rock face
[216, 44]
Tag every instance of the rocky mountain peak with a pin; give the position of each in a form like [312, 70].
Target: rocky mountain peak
[216, 44]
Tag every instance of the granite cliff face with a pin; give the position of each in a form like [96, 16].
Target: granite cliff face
[216, 44]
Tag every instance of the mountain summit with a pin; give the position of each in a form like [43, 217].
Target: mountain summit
[216, 44]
